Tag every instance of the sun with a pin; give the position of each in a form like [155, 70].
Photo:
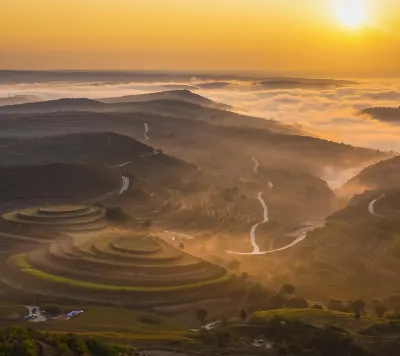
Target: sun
[351, 13]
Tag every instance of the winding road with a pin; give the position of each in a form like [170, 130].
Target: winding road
[121, 165]
[299, 235]
[371, 205]
[125, 184]
[256, 165]
[146, 130]
[256, 248]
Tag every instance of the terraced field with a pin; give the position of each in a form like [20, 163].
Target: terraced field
[65, 218]
[130, 267]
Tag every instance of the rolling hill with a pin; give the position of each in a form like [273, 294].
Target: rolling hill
[176, 95]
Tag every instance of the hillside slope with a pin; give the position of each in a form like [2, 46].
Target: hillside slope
[56, 180]
[356, 254]
[382, 175]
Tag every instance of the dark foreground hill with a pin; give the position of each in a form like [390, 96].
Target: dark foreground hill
[56, 180]
[116, 154]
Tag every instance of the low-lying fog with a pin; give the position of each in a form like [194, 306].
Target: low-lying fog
[328, 113]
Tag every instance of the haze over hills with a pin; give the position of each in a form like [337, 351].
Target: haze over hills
[139, 190]
[382, 175]
[19, 99]
[303, 83]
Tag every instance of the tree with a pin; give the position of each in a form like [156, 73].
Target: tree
[297, 303]
[317, 307]
[116, 214]
[287, 290]
[358, 307]
[53, 310]
[147, 224]
[379, 307]
[234, 265]
[336, 305]
[201, 315]
[244, 276]
[63, 350]
[243, 314]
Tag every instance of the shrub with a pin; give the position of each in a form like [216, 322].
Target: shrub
[150, 319]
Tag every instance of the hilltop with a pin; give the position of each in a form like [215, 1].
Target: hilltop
[184, 95]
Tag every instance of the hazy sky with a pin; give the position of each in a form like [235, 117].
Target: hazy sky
[276, 36]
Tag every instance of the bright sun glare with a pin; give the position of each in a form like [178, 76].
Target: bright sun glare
[351, 13]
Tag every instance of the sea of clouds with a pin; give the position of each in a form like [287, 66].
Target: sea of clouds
[328, 113]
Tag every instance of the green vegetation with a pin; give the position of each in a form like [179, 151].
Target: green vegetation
[314, 317]
[17, 341]
[11, 310]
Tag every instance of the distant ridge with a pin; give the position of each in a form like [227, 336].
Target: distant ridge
[19, 99]
[65, 104]
[178, 94]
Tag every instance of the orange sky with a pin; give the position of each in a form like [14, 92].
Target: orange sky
[276, 36]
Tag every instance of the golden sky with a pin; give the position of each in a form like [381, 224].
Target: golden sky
[275, 36]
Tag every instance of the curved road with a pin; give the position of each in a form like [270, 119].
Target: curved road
[121, 165]
[256, 248]
[146, 130]
[256, 165]
[371, 205]
[125, 184]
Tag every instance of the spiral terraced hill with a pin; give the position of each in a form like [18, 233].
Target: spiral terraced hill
[111, 265]
[60, 218]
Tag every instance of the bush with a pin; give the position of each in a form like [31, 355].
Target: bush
[297, 303]
[150, 319]
[52, 310]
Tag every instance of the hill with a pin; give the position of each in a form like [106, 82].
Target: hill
[134, 268]
[56, 181]
[354, 255]
[302, 83]
[175, 95]
[81, 104]
[382, 175]
[389, 114]
[174, 104]
[19, 99]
